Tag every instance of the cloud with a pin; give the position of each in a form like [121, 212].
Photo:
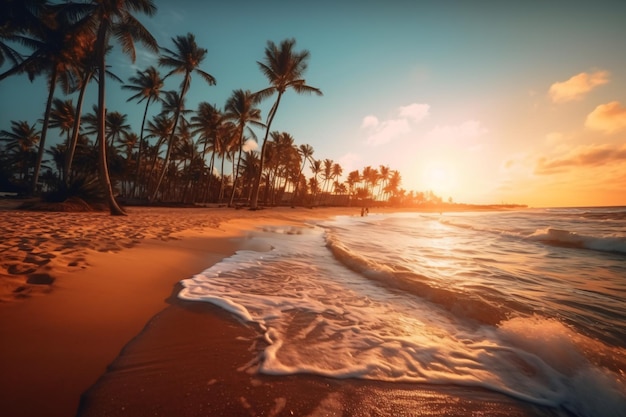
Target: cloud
[381, 132]
[369, 121]
[577, 86]
[582, 156]
[415, 111]
[388, 130]
[466, 130]
[250, 145]
[608, 118]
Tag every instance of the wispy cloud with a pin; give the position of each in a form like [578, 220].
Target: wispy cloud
[415, 111]
[381, 132]
[577, 86]
[466, 130]
[582, 156]
[608, 118]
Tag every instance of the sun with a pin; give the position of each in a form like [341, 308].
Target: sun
[439, 178]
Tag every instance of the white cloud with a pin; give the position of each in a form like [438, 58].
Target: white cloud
[415, 111]
[369, 121]
[577, 86]
[608, 118]
[381, 132]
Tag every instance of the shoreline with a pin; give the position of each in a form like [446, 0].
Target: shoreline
[102, 279]
[111, 334]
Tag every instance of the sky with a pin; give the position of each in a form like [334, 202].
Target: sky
[482, 102]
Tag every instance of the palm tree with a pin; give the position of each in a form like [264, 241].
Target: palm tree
[17, 19]
[222, 147]
[55, 41]
[284, 69]
[88, 66]
[327, 174]
[114, 17]
[306, 151]
[62, 116]
[159, 127]
[353, 179]
[240, 109]
[116, 127]
[393, 184]
[384, 173]
[206, 122]
[185, 59]
[147, 86]
[316, 168]
[20, 143]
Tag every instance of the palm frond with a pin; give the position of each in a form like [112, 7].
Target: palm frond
[265, 93]
[206, 76]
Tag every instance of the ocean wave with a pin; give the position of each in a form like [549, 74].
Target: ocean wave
[552, 236]
[596, 213]
[461, 304]
[566, 238]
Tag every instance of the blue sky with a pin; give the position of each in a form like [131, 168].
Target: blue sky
[481, 101]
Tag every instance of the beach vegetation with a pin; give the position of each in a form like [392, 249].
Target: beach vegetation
[146, 85]
[185, 59]
[284, 69]
[230, 156]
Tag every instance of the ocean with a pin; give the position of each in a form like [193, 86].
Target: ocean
[530, 304]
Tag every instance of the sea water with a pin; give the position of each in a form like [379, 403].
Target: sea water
[530, 304]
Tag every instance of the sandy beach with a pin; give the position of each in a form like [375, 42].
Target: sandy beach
[90, 324]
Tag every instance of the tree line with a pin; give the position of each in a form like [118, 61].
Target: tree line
[179, 155]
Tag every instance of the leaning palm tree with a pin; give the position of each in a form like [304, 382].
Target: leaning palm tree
[240, 108]
[114, 17]
[284, 69]
[147, 86]
[86, 63]
[185, 59]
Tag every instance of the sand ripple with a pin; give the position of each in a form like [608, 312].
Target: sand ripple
[36, 246]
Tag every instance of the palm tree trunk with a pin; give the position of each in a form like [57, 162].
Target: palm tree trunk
[170, 142]
[236, 177]
[105, 179]
[44, 129]
[257, 183]
[71, 147]
[138, 170]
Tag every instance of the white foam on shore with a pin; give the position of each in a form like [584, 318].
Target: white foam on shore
[322, 318]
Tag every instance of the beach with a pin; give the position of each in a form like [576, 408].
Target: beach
[108, 334]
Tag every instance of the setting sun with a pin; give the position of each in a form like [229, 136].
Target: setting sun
[439, 178]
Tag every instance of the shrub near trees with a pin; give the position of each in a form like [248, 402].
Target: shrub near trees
[176, 156]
